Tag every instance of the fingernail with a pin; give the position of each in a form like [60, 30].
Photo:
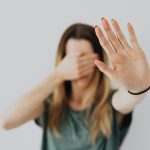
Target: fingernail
[102, 18]
[112, 20]
[95, 26]
[129, 24]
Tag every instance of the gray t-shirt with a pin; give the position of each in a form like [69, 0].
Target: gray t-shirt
[75, 135]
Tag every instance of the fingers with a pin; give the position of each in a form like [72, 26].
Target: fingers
[104, 42]
[119, 34]
[85, 70]
[88, 58]
[86, 63]
[116, 41]
[133, 36]
[85, 66]
[111, 36]
[104, 68]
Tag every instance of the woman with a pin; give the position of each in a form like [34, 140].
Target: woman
[76, 105]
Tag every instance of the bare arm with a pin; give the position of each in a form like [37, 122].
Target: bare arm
[30, 105]
[124, 102]
[130, 68]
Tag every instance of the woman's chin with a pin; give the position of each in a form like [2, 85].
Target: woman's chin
[83, 82]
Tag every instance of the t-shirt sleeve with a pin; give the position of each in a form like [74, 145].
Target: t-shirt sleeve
[40, 120]
[124, 127]
[120, 130]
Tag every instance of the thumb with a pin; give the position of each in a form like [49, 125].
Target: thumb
[104, 68]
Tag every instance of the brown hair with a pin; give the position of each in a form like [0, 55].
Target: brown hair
[99, 88]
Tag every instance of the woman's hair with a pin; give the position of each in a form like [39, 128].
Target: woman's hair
[98, 90]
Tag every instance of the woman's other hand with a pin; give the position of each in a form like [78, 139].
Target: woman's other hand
[129, 65]
[76, 66]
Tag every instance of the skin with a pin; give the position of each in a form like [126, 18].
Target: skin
[80, 85]
[78, 66]
[129, 68]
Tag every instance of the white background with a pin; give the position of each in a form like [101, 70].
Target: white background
[29, 34]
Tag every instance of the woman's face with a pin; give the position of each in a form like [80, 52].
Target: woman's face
[74, 46]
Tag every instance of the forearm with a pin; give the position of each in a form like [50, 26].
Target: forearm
[29, 105]
[41, 91]
[124, 102]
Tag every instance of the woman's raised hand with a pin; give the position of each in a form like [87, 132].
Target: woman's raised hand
[129, 68]
[75, 66]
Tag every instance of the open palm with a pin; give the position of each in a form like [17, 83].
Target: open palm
[129, 65]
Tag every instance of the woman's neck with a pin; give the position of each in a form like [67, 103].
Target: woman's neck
[77, 92]
[77, 97]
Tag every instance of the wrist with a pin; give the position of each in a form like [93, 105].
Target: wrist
[58, 76]
[143, 91]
